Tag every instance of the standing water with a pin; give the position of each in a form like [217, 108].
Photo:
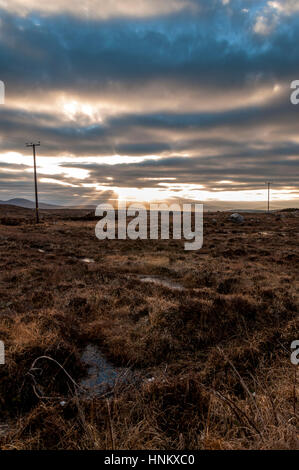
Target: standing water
[162, 282]
[102, 376]
[87, 260]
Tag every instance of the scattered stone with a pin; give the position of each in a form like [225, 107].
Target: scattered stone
[237, 218]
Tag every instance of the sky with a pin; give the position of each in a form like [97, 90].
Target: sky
[150, 100]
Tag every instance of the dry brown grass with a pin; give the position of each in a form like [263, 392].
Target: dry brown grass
[219, 351]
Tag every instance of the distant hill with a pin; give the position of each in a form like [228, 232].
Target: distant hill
[215, 207]
[27, 204]
[90, 207]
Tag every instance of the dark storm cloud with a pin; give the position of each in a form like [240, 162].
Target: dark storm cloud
[147, 70]
[248, 167]
[212, 49]
[122, 134]
[11, 166]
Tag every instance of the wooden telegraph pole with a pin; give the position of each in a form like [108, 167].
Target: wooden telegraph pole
[269, 185]
[33, 145]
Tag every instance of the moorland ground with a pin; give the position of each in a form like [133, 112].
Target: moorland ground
[213, 358]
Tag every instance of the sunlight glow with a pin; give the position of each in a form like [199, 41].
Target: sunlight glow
[166, 188]
[55, 181]
[73, 108]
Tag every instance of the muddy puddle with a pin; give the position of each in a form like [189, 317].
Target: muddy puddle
[272, 234]
[162, 282]
[102, 376]
[87, 260]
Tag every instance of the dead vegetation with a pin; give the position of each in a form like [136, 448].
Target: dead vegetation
[217, 353]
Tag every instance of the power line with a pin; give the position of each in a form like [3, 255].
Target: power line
[33, 145]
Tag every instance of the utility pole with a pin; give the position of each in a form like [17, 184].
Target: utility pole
[269, 185]
[33, 145]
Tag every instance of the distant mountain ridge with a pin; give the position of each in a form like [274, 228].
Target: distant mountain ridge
[217, 206]
[28, 204]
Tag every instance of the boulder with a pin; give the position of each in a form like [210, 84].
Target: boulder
[237, 218]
